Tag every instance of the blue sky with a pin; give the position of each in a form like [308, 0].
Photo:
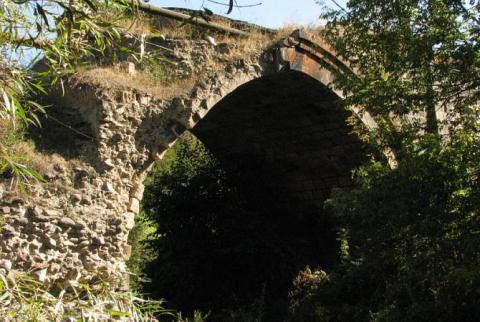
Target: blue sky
[271, 13]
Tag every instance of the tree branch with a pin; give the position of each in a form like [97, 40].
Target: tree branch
[27, 42]
[185, 18]
[236, 6]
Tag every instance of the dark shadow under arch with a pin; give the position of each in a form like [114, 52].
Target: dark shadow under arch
[284, 144]
[295, 125]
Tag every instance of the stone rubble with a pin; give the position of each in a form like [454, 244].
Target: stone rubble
[75, 226]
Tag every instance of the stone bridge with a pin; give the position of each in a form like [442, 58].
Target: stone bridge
[274, 104]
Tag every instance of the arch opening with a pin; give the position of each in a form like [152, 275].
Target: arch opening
[295, 126]
[282, 143]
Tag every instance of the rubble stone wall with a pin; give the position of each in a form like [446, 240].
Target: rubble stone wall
[74, 227]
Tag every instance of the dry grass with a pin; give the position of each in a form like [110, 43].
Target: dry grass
[138, 24]
[150, 24]
[118, 79]
[6, 128]
[21, 164]
[40, 162]
[288, 29]
[244, 46]
[240, 47]
[257, 41]
[109, 77]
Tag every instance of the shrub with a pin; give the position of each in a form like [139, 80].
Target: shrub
[223, 243]
[412, 237]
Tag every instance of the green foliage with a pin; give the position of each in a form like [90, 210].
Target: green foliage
[197, 317]
[63, 33]
[413, 236]
[141, 253]
[409, 57]
[16, 111]
[409, 235]
[224, 244]
[303, 296]
[13, 164]
[24, 298]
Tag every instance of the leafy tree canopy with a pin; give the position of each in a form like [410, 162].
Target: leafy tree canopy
[413, 60]
[409, 234]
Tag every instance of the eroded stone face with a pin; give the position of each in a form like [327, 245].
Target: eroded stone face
[75, 227]
[57, 236]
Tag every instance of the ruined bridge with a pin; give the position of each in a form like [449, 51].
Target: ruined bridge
[274, 104]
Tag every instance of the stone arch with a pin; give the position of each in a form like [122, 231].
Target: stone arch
[293, 127]
[134, 129]
[302, 174]
[302, 52]
[99, 195]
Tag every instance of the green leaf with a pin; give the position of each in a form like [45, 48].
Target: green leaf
[91, 5]
[115, 313]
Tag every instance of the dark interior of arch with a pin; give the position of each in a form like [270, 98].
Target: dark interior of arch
[293, 127]
[284, 143]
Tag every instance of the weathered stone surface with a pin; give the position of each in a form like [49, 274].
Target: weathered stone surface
[127, 252]
[50, 242]
[128, 67]
[6, 264]
[129, 220]
[41, 275]
[51, 213]
[67, 222]
[108, 187]
[75, 228]
[22, 221]
[99, 240]
[134, 205]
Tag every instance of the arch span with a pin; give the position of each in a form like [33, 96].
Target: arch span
[298, 70]
[301, 51]
[283, 143]
[93, 201]
[290, 124]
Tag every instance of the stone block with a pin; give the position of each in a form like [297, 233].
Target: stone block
[67, 222]
[6, 264]
[134, 205]
[108, 187]
[137, 191]
[41, 275]
[129, 68]
[127, 252]
[129, 220]
[144, 100]
[127, 96]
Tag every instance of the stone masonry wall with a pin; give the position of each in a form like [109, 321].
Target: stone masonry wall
[74, 227]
